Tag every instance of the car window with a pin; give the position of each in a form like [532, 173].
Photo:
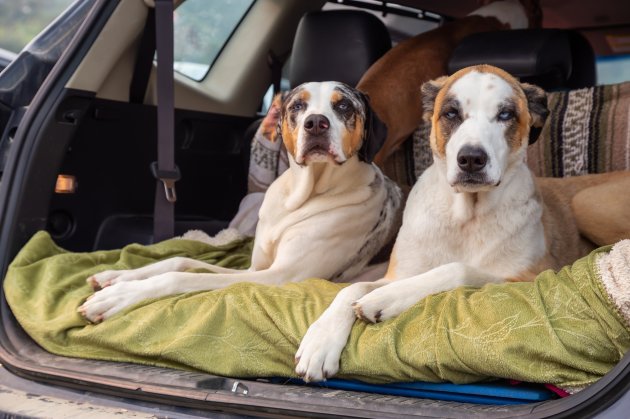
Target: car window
[21, 20]
[613, 69]
[202, 28]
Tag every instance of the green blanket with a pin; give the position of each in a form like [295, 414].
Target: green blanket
[561, 329]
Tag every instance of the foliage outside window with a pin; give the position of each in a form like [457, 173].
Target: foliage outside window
[202, 28]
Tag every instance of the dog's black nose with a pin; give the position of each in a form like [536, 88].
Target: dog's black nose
[471, 159]
[316, 124]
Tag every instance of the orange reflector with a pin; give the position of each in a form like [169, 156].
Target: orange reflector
[66, 184]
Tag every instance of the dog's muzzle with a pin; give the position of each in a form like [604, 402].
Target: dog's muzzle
[316, 124]
[316, 145]
[472, 161]
[317, 137]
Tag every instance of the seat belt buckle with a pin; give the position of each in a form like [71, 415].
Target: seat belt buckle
[168, 178]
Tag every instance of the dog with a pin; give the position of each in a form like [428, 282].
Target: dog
[392, 81]
[477, 215]
[332, 202]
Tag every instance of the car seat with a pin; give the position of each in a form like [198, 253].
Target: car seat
[554, 59]
[329, 45]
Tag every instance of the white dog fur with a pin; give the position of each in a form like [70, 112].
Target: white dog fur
[332, 193]
[477, 215]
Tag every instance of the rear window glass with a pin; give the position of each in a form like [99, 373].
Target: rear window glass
[613, 69]
[202, 28]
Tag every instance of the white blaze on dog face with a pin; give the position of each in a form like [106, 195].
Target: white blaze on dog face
[322, 121]
[480, 125]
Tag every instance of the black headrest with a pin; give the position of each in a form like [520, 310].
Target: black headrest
[549, 58]
[336, 45]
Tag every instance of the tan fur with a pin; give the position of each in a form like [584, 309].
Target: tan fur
[270, 122]
[392, 81]
[304, 95]
[289, 136]
[352, 140]
[437, 137]
[581, 213]
[538, 219]
[391, 267]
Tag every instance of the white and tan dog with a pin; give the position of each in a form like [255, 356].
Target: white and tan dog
[325, 217]
[477, 215]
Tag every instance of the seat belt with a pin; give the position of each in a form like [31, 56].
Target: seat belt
[165, 170]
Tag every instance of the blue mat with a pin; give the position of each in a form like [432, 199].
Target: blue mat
[498, 393]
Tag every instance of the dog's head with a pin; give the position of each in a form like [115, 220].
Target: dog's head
[482, 120]
[329, 121]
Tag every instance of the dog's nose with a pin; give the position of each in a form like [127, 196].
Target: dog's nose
[316, 124]
[471, 159]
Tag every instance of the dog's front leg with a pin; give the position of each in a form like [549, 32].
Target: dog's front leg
[318, 356]
[394, 298]
[112, 299]
[175, 264]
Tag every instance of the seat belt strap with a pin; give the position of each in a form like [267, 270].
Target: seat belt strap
[165, 170]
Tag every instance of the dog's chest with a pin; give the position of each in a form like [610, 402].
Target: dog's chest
[449, 228]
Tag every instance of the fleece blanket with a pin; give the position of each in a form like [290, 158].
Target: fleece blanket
[567, 328]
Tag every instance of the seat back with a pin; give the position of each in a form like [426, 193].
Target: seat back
[554, 59]
[336, 45]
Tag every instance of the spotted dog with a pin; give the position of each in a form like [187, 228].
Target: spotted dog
[477, 215]
[326, 216]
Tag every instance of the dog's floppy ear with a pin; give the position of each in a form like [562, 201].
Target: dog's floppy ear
[537, 104]
[374, 132]
[430, 90]
[271, 124]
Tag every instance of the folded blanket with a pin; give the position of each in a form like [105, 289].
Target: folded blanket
[567, 328]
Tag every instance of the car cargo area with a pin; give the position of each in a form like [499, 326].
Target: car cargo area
[80, 169]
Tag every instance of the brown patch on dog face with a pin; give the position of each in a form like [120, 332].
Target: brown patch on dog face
[336, 96]
[531, 105]
[528, 108]
[295, 104]
[289, 136]
[304, 95]
[352, 139]
[350, 110]
[446, 119]
[513, 114]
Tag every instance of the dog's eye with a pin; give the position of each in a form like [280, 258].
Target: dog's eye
[343, 106]
[451, 114]
[505, 115]
[297, 106]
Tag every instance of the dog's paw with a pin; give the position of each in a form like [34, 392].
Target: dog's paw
[105, 303]
[318, 356]
[382, 304]
[106, 278]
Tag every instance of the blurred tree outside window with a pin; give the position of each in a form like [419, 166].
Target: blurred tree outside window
[21, 20]
[201, 29]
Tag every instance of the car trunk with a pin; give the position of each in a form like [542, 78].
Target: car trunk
[107, 145]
